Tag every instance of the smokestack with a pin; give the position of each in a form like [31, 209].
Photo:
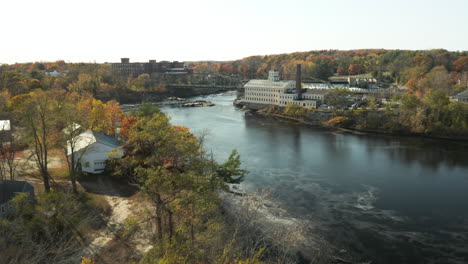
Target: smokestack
[298, 81]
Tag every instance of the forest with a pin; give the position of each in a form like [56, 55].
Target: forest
[404, 67]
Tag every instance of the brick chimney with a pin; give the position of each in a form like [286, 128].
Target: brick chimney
[298, 82]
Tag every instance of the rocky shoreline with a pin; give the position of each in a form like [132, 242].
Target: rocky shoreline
[173, 101]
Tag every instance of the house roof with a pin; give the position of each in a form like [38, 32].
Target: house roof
[106, 139]
[462, 94]
[89, 137]
[316, 91]
[8, 189]
[268, 84]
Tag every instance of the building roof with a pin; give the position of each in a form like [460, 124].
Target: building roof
[462, 94]
[268, 84]
[8, 189]
[89, 137]
[316, 91]
[5, 125]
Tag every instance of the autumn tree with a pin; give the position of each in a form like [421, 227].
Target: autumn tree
[127, 123]
[72, 123]
[355, 69]
[114, 116]
[38, 116]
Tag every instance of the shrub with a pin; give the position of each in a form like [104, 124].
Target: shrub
[340, 121]
[295, 111]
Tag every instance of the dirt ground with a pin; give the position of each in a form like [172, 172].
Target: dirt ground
[108, 243]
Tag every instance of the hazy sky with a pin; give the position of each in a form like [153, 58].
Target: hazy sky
[106, 30]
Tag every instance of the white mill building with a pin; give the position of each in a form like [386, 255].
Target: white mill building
[262, 93]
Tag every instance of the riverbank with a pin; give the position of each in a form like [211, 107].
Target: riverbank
[134, 97]
[320, 118]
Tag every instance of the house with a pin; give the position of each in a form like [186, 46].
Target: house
[461, 97]
[8, 190]
[92, 149]
[56, 73]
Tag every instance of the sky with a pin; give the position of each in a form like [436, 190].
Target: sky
[193, 30]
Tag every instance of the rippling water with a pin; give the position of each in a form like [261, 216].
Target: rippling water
[370, 197]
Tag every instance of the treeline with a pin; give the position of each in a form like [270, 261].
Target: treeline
[92, 78]
[389, 65]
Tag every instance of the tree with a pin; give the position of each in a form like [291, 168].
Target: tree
[230, 171]
[38, 117]
[355, 69]
[8, 149]
[461, 64]
[114, 115]
[322, 69]
[337, 97]
[436, 99]
[127, 123]
[73, 123]
[410, 101]
[438, 78]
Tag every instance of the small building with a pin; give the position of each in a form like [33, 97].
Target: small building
[8, 190]
[56, 73]
[5, 132]
[92, 150]
[461, 97]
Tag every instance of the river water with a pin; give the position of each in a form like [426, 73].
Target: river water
[371, 198]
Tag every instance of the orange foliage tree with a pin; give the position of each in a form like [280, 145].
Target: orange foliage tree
[114, 116]
[127, 124]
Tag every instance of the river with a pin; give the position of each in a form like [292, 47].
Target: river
[372, 198]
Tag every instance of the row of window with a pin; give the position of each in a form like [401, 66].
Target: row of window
[313, 97]
[267, 100]
[264, 89]
[261, 99]
[261, 94]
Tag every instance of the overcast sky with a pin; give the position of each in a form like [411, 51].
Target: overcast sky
[106, 30]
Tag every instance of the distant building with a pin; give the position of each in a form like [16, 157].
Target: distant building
[351, 83]
[461, 97]
[92, 150]
[5, 132]
[56, 73]
[127, 68]
[8, 190]
[276, 92]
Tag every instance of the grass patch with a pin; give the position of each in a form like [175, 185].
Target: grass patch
[60, 173]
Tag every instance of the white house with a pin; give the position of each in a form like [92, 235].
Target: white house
[92, 149]
[461, 97]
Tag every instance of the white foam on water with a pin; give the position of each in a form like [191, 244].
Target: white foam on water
[366, 199]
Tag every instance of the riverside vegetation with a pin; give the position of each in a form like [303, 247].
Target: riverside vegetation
[432, 115]
[179, 186]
